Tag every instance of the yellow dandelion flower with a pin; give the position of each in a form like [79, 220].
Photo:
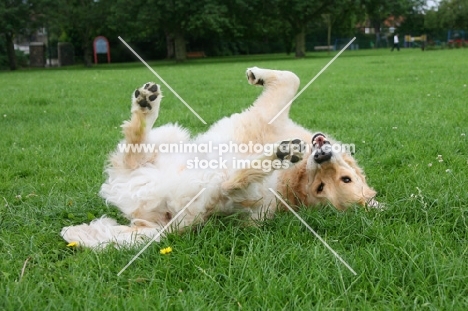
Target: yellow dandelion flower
[72, 244]
[166, 250]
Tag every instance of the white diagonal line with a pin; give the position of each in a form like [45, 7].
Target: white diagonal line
[315, 233]
[159, 77]
[160, 232]
[310, 82]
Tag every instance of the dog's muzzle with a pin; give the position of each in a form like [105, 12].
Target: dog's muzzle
[322, 148]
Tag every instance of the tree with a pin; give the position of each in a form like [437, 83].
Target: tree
[298, 14]
[344, 14]
[432, 25]
[19, 17]
[82, 19]
[183, 18]
[453, 14]
[177, 19]
[378, 11]
[249, 24]
[413, 25]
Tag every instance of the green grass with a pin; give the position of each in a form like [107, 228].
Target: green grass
[400, 109]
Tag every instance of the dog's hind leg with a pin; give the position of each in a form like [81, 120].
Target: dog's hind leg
[103, 231]
[279, 89]
[254, 124]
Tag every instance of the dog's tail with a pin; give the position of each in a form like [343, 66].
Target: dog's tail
[104, 231]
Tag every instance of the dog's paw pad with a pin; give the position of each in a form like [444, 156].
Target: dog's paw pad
[145, 96]
[253, 76]
[151, 87]
[291, 150]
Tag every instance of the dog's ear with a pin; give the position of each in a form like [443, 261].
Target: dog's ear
[353, 163]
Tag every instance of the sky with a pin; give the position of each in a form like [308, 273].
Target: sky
[432, 3]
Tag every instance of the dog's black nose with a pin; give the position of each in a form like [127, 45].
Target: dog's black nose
[323, 154]
[323, 148]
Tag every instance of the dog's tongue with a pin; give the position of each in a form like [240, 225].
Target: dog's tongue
[318, 140]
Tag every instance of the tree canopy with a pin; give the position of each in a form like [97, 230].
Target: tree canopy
[235, 25]
[19, 17]
[453, 14]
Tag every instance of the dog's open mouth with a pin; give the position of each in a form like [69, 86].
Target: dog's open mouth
[322, 149]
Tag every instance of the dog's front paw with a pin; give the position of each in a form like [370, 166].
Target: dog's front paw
[291, 150]
[146, 97]
[253, 76]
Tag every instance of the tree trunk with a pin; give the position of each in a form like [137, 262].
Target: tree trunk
[87, 53]
[329, 25]
[11, 51]
[288, 42]
[300, 43]
[87, 46]
[88, 60]
[377, 34]
[377, 39]
[179, 45]
[288, 45]
[169, 45]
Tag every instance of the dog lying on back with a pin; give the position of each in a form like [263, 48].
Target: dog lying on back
[230, 167]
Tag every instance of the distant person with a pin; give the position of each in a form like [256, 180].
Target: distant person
[395, 42]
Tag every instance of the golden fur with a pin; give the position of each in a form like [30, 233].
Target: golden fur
[152, 188]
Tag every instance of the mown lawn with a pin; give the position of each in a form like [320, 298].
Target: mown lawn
[405, 111]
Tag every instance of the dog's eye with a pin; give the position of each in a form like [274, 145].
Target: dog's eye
[320, 187]
[346, 179]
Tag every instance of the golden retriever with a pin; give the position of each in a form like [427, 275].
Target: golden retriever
[155, 173]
